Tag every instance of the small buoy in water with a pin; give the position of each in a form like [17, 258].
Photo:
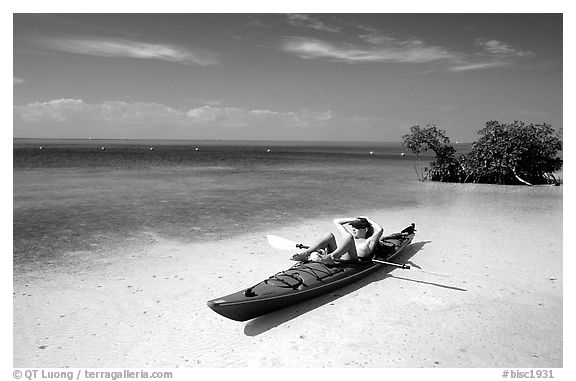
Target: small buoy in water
[103, 148]
[151, 148]
[268, 150]
[41, 148]
[403, 154]
[371, 152]
[196, 148]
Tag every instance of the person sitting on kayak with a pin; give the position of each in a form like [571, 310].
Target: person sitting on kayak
[358, 243]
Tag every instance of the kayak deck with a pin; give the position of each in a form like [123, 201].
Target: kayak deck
[303, 281]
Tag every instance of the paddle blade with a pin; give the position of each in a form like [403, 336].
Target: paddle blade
[281, 243]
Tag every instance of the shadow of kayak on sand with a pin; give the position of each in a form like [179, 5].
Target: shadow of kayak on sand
[266, 322]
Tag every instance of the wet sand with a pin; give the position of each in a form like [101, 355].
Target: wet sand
[501, 306]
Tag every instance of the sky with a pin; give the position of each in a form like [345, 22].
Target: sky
[328, 77]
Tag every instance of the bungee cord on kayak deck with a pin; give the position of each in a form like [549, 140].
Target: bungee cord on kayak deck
[318, 273]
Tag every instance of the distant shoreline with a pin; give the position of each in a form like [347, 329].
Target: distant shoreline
[222, 142]
[219, 141]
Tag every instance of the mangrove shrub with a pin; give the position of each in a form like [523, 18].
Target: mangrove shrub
[446, 166]
[515, 153]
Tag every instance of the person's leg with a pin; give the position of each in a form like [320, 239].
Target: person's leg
[346, 250]
[327, 242]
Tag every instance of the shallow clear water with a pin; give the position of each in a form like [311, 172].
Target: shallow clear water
[72, 195]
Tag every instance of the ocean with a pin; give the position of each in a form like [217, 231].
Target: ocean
[89, 195]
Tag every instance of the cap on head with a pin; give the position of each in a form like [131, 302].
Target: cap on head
[360, 223]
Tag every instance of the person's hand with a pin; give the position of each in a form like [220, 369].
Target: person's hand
[300, 257]
[327, 259]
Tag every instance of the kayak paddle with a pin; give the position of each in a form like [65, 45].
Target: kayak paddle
[283, 243]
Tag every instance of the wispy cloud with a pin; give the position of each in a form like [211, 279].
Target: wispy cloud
[467, 66]
[410, 51]
[307, 21]
[146, 114]
[121, 47]
[237, 116]
[492, 54]
[387, 49]
[360, 43]
[499, 48]
[206, 101]
[18, 81]
[59, 110]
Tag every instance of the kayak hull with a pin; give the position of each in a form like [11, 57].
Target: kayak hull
[301, 282]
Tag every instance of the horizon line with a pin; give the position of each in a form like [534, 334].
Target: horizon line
[224, 140]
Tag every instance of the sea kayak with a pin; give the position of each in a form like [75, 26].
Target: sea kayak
[306, 280]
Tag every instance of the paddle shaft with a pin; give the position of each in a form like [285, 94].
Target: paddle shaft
[404, 266]
[408, 267]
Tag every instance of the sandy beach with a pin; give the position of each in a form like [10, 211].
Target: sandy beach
[501, 306]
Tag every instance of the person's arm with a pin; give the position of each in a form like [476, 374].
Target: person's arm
[340, 222]
[344, 220]
[373, 239]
